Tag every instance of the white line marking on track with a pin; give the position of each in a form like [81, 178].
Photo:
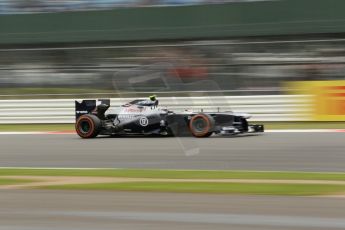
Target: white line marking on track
[21, 133]
[305, 131]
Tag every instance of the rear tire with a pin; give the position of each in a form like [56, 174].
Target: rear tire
[201, 125]
[88, 126]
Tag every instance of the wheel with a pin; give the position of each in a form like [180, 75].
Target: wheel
[201, 125]
[88, 126]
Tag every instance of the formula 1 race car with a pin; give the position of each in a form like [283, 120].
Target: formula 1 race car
[144, 117]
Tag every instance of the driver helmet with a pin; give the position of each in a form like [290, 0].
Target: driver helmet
[152, 97]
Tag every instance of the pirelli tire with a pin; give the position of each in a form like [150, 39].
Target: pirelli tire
[88, 126]
[201, 125]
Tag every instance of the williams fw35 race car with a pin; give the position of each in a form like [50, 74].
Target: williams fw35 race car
[145, 117]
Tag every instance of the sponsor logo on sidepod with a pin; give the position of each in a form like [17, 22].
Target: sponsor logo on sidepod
[143, 121]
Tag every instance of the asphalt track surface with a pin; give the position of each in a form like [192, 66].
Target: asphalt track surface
[270, 151]
[77, 210]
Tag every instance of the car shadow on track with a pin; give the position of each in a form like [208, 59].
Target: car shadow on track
[164, 137]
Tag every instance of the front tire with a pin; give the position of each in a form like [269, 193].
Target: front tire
[88, 126]
[201, 125]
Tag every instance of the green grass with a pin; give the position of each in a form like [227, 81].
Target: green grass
[224, 188]
[6, 181]
[174, 174]
[192, 187]
[268, 125]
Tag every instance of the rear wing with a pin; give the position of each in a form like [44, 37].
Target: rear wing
[91, 107]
